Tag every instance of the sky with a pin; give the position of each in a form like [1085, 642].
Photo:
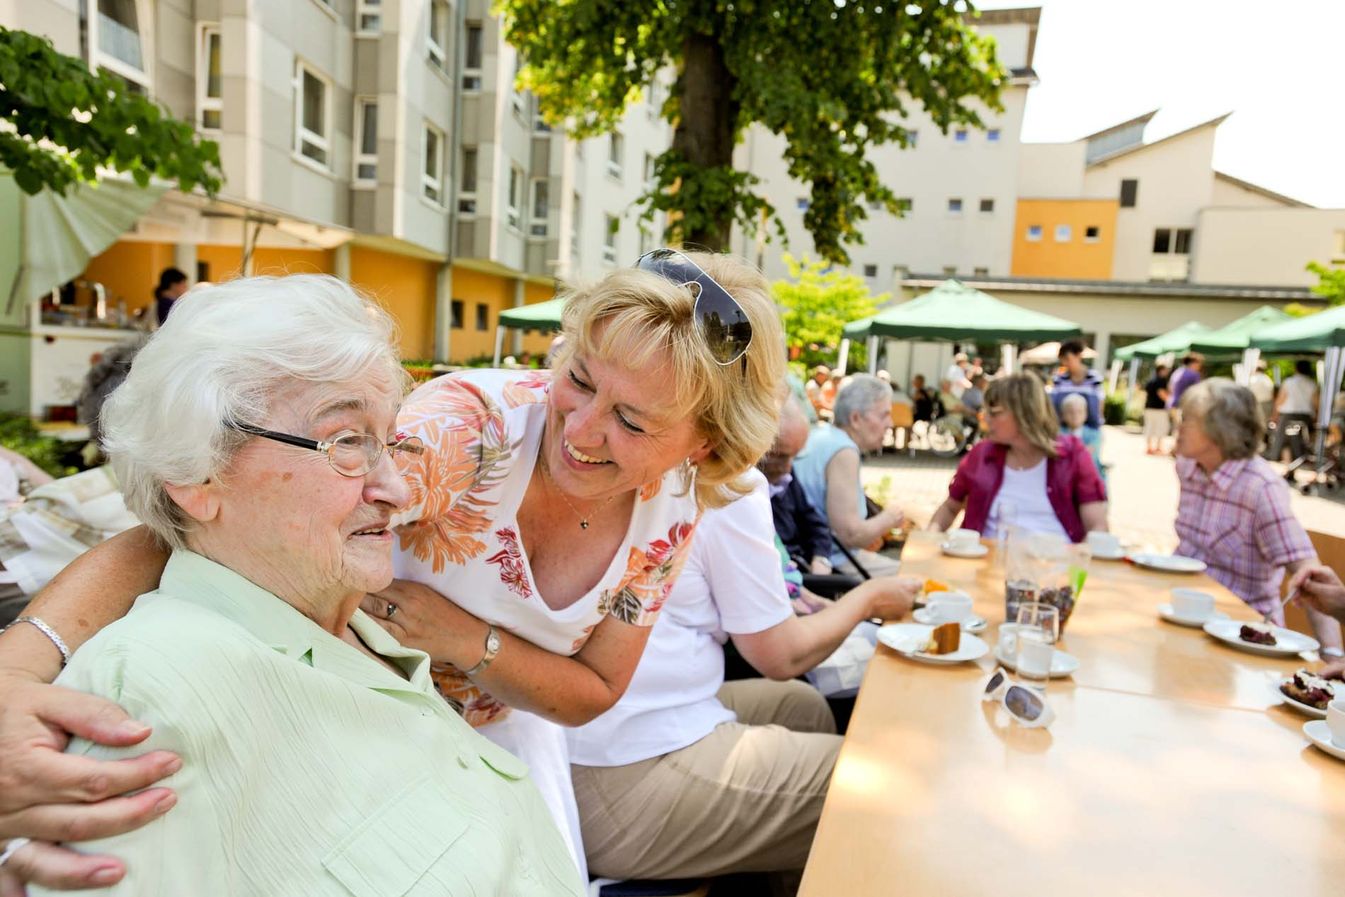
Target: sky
[1276, 64]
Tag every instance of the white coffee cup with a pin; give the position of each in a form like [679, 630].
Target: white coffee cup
[1034, 655]
[948, 607]
[1104, 544]
[963, 539]
[1335, 720]
[1192, 604]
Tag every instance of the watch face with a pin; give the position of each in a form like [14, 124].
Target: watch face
[493, 642]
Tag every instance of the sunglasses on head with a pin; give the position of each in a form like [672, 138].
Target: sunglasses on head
[1023, 704]
[722, 322]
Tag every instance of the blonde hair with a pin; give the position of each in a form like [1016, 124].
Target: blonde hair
[635, 317]
[1228, 413]
[1024, 396]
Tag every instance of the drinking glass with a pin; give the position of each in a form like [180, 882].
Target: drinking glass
[1037, 630]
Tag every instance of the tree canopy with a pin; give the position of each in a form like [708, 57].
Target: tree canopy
[832, 77]
[1330, 283]
[60, 122]
[816, 302]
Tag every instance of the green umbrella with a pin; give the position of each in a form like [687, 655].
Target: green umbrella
[955, 312]
[1235, 337]
[544, 316]
[1315, 333]
[1174, 341]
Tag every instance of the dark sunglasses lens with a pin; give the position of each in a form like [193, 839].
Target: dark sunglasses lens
[723, 322]
[1023, 704]
[994, 682]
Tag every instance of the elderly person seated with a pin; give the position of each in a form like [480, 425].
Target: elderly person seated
[691, 776]
[1234, 511]
[802, 530]
[1074, 422]
[255, 437]
[829, 470]
[1025, 473]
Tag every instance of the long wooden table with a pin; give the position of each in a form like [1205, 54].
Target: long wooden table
[1169, 769]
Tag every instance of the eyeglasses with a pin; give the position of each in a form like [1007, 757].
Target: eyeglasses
[1023, 704]
[723, 323]
[351, 456]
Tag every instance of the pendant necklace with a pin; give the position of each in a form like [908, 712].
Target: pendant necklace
[583, 519]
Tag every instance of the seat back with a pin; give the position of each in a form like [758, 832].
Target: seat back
[903, 415]
[1331, 552]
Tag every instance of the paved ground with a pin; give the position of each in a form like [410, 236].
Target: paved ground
[1143, 491]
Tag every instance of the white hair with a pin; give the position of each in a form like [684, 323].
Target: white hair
[1074, 400]
[219, 360]
[859, 395]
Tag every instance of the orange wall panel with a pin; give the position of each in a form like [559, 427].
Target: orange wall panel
[129, 270]
[1076, 258]
[406, 288]
[477, 288]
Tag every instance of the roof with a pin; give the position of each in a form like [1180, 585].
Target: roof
[1137, 120]
[954, 311]
[1124, 288]
[1212, 123]
[1178, 339]
[543, 316]
[1255, 188]
[1235, 337]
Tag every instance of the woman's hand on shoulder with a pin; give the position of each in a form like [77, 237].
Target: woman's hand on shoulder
[423, 619]
[51, 796]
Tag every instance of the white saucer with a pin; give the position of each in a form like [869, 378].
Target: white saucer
[906, 638]
[1062, 663]
[1168, 614]
[1118, 555]
[1319, 733]
[1169, 563]
[1305, 709]
[1287, 642]
[974, 623]
[978, 551]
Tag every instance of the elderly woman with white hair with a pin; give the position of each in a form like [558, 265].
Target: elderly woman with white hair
[1234, 511]
[254, 438]
[829, 470]
[547, 521]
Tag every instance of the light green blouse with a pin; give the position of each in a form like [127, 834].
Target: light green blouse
[308, 768]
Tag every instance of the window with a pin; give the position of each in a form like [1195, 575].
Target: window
[1092, 233]
[949, 270]
[471, 59]
[1130, 189]
[650, 164]
[366, 140]
[616, 148]
[1034, 233]
[912, 139]
[802, 203]
[960, 135]
[368, 17]
[955, 206]
[467, 184]
[1183, 242]
[209, 80]
[905, 204]
[987, 205]
[980, 272]
[457, 312]
[655, 99]
[123, 40]
[609, 239]
[312, 114]
[436, 35]
[516, 94]
[992, 135]
[432, 177]
[539, 124]
[541, 207]
[515, 196]
[482, 316]
[870, 270]
[1063, 233]
[1162, 241]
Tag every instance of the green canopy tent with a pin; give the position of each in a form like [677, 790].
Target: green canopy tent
[955, 312]
[1235, 339]
[543, 317]
[1176, 340]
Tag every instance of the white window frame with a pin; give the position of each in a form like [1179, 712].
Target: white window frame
[537, 226]
[515, 187]
[368, 8]
[432, 182]
[144, 20]
[467, 198]
[204, 102]
[650, 163]
[301, 133]
[1064, 233]
[655, 99]
[1034, 233]
[516, 97]
[616, 153]
[539, 124]
[471, 75]
[435, 45]
[361, 157]
[610, 233]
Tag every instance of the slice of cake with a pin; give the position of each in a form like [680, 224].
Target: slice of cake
[1257, 633]
[945, 639]
[1305, 688]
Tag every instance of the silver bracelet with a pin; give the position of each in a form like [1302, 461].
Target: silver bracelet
[1332, 652]
[49, 633]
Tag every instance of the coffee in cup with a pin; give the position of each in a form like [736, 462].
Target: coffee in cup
[948, 607]
[1192, 604]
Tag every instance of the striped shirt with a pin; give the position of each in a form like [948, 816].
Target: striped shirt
[1238, 521]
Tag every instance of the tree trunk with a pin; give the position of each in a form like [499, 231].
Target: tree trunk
[704, 134]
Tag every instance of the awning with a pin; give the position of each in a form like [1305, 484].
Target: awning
[1177, 340]
[1233, 338]
[543, 316]
[1049, 353]
[954, 312]
[1314, 333]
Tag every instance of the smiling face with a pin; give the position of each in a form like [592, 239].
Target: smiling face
[610, 430]
[289, 522]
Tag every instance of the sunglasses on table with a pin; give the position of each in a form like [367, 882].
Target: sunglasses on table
[353, 455]
[721, 320]
[1027, 707]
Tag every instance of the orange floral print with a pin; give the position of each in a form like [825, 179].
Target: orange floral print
[650, 575]
[528, 389]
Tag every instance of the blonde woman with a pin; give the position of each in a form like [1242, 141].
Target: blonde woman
[1025, 473]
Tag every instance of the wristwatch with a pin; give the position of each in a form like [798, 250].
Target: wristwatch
[492, 648]
[1332, 652]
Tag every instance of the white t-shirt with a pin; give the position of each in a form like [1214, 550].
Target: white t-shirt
[1298, 391]
[732, 583]
[955, 377]
[1262, 387]
[1024, 492]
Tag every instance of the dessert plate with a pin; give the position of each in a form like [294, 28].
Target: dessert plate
[1062, 663]
[908, 638]
[1169, 563]
[1168, 614]
[974, 623]
[1305, 709]
[958, 551]
[1319, 733]
[1288, 643]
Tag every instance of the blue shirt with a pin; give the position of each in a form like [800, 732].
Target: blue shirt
[810, 469]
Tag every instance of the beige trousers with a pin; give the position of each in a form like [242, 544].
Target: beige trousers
[745, 798]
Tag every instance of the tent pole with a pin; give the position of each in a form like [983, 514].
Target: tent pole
[1113, 375]
[873, 354]
[499, 343]
[1134, 370]
[843, 356]
[1331, 369]
[1008, 357]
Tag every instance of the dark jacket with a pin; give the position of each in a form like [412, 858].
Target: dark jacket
[798, 524]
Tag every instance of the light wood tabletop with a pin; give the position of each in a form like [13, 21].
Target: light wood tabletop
[1168, 768]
